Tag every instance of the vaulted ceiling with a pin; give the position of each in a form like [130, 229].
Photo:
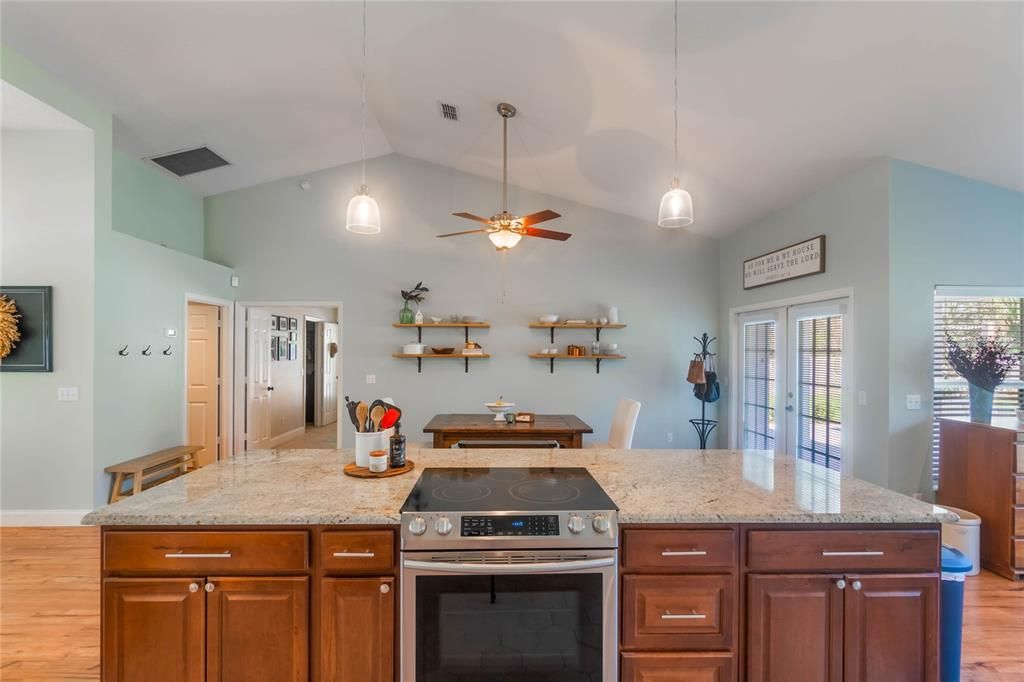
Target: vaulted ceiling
[776, 98]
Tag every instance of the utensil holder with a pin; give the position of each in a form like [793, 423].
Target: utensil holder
[367, 442]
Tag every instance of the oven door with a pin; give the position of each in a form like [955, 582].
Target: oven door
[490, 616]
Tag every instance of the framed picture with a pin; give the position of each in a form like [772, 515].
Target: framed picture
[293, 336]
[293, 323]
[273, 350]
[293, 351]
[282, 347]
[273, 321]
[790, 262]
[33, 352]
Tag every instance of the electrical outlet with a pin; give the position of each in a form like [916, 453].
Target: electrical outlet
[913, 402]
[371, 378]
[66, 395]
[669, 436]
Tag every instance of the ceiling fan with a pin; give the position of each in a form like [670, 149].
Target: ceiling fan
[505, 229]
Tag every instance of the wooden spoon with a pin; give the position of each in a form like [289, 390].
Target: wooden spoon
[362, 409]
[377, 413]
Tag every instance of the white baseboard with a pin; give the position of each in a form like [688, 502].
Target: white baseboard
[42, 517]
[286, 436]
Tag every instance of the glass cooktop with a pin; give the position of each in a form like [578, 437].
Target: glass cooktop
[500, 489]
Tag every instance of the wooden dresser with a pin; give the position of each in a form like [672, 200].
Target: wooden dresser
[981, 469]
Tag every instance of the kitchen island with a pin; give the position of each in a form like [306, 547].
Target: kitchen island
[733, 565]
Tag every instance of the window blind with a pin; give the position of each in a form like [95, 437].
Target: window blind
[965, 318]
[759, 386]
[820, 408]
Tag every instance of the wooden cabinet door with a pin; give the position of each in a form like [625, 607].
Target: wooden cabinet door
[892, 628]
[357, 630]
[152, 630]
[257, 629]
[794, 628]
[677, 667]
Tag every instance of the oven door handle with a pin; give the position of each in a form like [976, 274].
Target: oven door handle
[509, 569]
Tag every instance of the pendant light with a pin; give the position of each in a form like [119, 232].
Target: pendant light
[676, 209]
[363, 215]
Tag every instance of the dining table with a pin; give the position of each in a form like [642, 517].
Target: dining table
[449, 430]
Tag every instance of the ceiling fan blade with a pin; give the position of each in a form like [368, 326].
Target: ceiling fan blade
[546, 234]
[456, 234]
[470, 216]
[539, 217]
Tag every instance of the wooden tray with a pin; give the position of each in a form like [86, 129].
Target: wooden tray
[363, 472]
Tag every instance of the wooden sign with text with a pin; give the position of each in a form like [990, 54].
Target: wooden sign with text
[790, 262]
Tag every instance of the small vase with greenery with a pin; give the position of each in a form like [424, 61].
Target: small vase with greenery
[984, 364]
[414, 295]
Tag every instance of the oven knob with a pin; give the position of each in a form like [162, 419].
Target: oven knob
[443, 525]
[417, 526]
[576, 524]
[602, 524]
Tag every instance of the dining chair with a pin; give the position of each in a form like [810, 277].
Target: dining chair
[620, 436]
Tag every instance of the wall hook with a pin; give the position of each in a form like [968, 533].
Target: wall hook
[146, 351]
[167, 351]
[123, 351]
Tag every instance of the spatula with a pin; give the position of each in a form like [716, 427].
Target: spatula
[391, 417]
[376, 415]
[362, 410]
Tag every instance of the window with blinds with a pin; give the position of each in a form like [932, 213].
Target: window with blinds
[759, 386]
[965, 318]
[820, 380]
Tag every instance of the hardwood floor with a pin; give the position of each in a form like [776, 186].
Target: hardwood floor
[316, 437]
[49, 612]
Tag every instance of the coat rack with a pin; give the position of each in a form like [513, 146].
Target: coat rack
[704, 425]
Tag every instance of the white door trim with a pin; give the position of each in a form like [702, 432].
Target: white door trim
[239, 382]
[227, 399]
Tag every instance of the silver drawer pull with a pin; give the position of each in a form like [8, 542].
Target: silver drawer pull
[226, 554]
[684, 552]
[826, 552]
[354, 555]
[692, 615]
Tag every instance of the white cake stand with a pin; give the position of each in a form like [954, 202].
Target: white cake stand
[499, 410]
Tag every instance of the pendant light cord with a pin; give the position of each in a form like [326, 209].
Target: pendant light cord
[675, 83]
[363, 172]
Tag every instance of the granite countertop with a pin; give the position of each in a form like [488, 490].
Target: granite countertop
[272, 487]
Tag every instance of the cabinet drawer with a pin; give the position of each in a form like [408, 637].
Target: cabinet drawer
[677, 667]
[1018, 521]
[1018, 554]
[678, 550]
[843, 550]
[1019, 486]
[677, 611]
[205, 552]
[358, 552]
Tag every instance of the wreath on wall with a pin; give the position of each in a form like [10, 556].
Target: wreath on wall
[9, 334]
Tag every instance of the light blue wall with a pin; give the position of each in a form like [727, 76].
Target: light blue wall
[945, 230]
[853, 215]
[151, 204]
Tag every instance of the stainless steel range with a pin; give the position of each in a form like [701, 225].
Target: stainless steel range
[509, 573]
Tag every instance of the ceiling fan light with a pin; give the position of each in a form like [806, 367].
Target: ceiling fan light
[504, 239]
[676, 209]
[363, 215]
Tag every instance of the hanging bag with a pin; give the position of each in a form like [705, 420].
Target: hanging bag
[695, 375]
[709, 391]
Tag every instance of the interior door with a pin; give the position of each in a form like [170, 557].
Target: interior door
[259, 388]
[326, 404]
[203, 387]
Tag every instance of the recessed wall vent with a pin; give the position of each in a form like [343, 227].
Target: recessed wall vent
[190, 161]
[449, 112]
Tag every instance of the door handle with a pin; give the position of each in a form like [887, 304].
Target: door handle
[270, 388]
[789, 408]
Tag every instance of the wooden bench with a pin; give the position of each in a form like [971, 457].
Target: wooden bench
[150, 470]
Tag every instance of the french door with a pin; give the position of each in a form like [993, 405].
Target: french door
[790, 363]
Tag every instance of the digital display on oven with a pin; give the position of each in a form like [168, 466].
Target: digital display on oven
[491, 526]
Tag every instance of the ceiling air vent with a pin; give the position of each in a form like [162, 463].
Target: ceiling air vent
[449, 112]
[190, 161]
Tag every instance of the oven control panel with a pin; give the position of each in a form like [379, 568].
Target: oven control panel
[502, 526]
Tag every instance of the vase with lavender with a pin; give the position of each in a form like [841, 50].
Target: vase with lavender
[984, 363]
[414, 295]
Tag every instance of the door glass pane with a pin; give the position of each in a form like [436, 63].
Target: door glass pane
[759, 386]
[820, 381]
[494, 628]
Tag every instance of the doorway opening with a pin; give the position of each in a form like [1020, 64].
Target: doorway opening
[208, 330]
[288, 391]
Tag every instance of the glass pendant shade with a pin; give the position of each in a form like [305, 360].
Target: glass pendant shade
[676, 208]
[504, 239]
[363, 215]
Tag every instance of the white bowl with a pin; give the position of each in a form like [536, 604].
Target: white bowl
[435, 319]
[413, 348]
[548, 319]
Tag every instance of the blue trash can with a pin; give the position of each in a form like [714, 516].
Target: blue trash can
[955, 567]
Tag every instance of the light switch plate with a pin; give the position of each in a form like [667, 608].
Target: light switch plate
[66, 395]
[913, 401]
[170, 332]
[371, 378]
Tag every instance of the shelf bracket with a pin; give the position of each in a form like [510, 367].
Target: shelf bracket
[598, 361]
[552, 335]
[419, 334]
[466, 360]
[467, 334]
[597, 334]
[419, 365]
[552, 360]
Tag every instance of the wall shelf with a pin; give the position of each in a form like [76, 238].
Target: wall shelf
[562, 325]
[441, 325]
[438, 356]
[565, 356]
